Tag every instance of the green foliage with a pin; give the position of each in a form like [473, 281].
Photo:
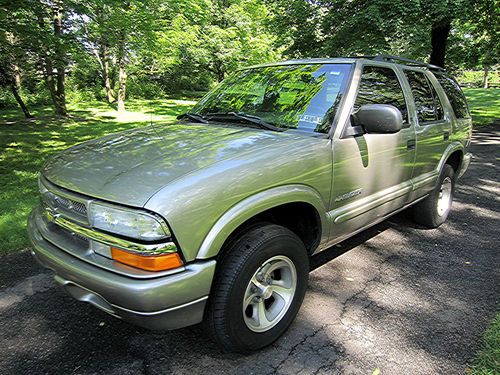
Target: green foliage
[168, 46]
[138, 89]
[474, 78]
[36, 97]
[360, 27]
[163, 46]
[487, 361]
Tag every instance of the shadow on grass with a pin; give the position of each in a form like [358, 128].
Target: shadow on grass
[26, 144]
[484, 105]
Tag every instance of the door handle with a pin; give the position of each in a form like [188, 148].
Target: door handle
[446, 136]
[410, 145]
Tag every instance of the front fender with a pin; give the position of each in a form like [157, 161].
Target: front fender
[255, 204]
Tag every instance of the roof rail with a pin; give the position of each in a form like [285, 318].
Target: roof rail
[410, 62]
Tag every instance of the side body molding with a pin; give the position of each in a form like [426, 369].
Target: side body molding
[255, 204]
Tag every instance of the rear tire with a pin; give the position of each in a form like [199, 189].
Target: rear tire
[433, 210]
[258, 289]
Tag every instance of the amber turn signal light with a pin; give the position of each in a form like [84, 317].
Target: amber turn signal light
[148, 263]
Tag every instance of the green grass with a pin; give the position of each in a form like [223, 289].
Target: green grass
[487, 360]
[25, 145]
[484, 105]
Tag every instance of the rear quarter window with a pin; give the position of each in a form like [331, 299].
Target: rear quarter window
[427, 102]
[455, 95]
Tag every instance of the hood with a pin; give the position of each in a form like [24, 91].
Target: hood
[130, 166]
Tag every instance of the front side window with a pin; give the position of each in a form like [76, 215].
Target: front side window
[299, 96]
[455, 95]
[380, 85]
[427, 102]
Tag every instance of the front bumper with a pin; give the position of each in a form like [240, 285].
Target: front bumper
[166, 302]
[465, 164]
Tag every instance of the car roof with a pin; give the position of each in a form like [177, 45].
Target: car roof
[332, 60]
[389, 59]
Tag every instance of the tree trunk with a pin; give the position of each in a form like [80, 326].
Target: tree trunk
[60, 94]
[49, 79]
[20, 101]
[485, 77]
[122, 73]
[439, 37]
[110, 95]
[17, 75]
[122, 83]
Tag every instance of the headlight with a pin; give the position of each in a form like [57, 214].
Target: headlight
[129, 223]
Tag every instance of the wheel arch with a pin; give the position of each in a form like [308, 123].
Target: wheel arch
[453, 156]
[278, 205]
[455, 160]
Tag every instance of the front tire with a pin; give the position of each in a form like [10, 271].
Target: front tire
[258, 289]
[433, 210]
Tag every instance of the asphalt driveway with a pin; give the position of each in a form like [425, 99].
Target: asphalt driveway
[398, 298]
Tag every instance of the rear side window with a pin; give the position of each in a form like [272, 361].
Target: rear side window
[427, 102]
[455, 95]
[381, 86]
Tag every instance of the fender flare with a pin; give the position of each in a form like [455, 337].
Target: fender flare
[255, 204]
[452, 147]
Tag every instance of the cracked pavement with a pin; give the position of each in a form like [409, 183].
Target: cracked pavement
[396, 297]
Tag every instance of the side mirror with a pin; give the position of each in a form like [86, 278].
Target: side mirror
[379, 118]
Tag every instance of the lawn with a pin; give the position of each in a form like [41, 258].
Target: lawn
[484, 105]
[25, 145]
[487, 361]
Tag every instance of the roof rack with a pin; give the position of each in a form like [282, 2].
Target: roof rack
[410, 62]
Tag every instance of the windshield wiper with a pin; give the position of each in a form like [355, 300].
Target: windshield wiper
[193, 116]
[246, 117]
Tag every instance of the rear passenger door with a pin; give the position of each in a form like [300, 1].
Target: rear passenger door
[432, 129]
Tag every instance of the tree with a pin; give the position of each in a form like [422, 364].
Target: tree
[11, 55]
[415, 28]
[9, 70]
[93, 30]
[475, 44]
[52, 49]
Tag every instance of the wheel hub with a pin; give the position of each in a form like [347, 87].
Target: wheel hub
[266, 292]
[444, 198]
[269, 293]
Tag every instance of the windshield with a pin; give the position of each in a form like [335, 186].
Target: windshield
[301, 96]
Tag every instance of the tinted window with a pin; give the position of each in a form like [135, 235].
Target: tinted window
[381, 86]
[455, 95]
[427, 102]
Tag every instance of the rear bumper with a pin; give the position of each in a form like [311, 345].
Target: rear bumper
[166, 302]
[465, 164]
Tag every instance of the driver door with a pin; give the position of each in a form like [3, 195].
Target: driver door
[372, 172]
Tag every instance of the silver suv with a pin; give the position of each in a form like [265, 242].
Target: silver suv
[215, 218]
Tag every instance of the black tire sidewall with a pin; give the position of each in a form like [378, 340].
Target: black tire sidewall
[284, 243]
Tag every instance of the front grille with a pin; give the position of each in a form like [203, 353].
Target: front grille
[67, 207]
[75, 236]
[80, 207]
[71, 205]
